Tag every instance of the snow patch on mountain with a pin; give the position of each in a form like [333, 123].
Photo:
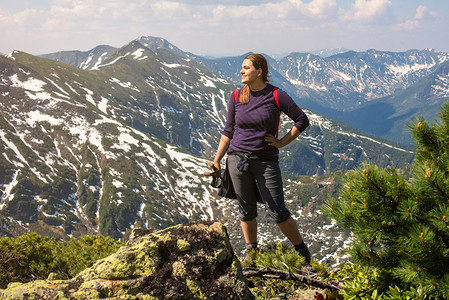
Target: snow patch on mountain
[135, 54]
[127, 85]
[103, 105]
[125, 141]
[207, 81]
[31, 84]
[374, 141]
[441, 85]
[38, 116]
[319, 120]
[138, 54]
[86, 65]
[39, 96]
[402, 70]
[171, 66]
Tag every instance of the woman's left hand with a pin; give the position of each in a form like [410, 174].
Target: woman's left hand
[273, 141]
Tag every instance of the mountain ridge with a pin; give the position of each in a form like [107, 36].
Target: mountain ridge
[343, 83]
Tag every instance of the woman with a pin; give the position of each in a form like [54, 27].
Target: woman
[250, 140]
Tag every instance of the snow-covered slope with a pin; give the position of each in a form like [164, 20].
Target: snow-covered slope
[70, 164]
[347, 80]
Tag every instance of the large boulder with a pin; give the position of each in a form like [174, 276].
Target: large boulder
[182, 262]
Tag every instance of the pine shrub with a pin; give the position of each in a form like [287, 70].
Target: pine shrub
[402, 226]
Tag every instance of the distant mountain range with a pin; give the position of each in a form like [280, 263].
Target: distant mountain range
[328, 52]
[375, 91]
[109, 139]
[363, 89]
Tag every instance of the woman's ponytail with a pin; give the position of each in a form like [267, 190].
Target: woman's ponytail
[244, 94]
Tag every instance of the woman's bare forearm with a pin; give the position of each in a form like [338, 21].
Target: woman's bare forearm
[285, 140]
[290, 136]
[221, 151]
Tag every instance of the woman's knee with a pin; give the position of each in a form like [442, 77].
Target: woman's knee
[280, 217]
[248, 217]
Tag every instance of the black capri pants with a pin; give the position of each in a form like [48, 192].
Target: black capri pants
[263, 177]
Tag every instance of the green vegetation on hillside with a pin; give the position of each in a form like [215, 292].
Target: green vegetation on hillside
[31, 256]
[351, 281]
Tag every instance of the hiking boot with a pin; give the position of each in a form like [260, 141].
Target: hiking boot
[304, 252]
[250, 254]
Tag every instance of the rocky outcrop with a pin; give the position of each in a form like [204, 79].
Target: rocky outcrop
[182, 262]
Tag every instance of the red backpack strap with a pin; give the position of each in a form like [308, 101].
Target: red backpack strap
[236, 94]
[275, 94]
[276, 99]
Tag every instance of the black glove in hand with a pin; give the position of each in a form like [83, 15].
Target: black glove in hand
[216, 178]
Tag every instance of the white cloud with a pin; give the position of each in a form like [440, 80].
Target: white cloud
[422, 12]
[315, 8]
[20, 18]
[365, 10]
[227, 13]
[408, 25]
[170, 9]
[273, 12]
[92, 10]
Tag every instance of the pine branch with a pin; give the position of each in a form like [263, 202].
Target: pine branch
[438, 188]
[283, 275]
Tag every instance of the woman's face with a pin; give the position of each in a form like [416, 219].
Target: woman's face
[249, 73]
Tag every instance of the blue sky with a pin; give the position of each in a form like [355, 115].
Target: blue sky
[212, 27]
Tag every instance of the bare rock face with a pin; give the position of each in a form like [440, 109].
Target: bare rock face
[182, 262]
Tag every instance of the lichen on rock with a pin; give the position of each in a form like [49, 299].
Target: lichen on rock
[183, 245]
[193, 261]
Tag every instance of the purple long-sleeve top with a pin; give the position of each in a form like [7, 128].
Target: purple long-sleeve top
[248, 124]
